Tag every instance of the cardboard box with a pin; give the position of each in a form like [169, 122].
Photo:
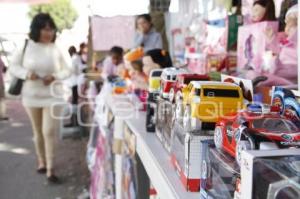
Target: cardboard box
[288, 102]
[252, 165]
[186, 155]
[220, 173]
[253, 43]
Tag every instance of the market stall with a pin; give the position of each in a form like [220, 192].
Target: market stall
[222, 122]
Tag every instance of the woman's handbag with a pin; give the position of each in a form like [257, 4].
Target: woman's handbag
[16, 83]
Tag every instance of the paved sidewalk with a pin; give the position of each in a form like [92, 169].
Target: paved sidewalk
[18, 178]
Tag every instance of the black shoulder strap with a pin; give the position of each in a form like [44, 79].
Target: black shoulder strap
[24, 49]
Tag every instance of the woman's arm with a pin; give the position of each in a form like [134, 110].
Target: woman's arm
[16, 68]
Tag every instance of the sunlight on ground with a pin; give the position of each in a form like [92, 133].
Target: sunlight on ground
[4, 147]
[17, 124]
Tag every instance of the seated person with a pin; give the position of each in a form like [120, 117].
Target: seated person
[112, 62]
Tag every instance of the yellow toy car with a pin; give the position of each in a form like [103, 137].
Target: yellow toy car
[154, 80]
[203, 102]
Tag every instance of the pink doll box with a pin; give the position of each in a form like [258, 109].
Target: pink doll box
[253, 41]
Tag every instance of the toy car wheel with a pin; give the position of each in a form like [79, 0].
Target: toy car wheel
[218, 137]
[187, 118]
[241, 146]
[171, 95]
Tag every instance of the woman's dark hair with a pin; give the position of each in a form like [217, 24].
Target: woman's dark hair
[160, 57]
[81, 47]
[270, 9]
[72, 50]
[117, 50]
[147, 17]
[39, 22]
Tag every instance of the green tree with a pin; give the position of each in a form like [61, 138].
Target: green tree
[61, 11]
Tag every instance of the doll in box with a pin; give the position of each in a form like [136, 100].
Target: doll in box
[284, 65]
[263, 10]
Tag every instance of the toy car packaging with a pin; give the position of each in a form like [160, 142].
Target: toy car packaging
[220, 175]
[245, 84]
[164, 121]
[151, 108]
[186, 155]
[277, 177]
[272, 174]
[287, 102]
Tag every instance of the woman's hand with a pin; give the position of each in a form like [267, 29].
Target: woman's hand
[32, 76]
[48, 80]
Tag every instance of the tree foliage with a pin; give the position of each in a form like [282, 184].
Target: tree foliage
[61, 11]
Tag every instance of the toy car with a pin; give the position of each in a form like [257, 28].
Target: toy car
[182, 81]
[154, 80]
[204, 102]
[248, 130]
[168, 79]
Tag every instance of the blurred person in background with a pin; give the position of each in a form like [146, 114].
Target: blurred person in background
[39, 65]
[146, 36]
[72, 50]
[2, 92]
[79, 65]
[111, 63]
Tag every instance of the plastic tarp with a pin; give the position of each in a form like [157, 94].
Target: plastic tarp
[112, 31]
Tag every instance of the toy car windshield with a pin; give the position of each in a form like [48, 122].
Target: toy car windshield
[156, 74]
[275, 125]
[209, 92]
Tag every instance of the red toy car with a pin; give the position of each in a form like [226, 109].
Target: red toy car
[182, 81]
[248, 130]
[168, 79]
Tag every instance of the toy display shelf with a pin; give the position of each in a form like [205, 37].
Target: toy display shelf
[154, 157]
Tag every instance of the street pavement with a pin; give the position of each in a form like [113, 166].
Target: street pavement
[18, 177]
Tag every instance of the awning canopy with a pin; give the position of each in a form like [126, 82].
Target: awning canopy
[26, 1]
